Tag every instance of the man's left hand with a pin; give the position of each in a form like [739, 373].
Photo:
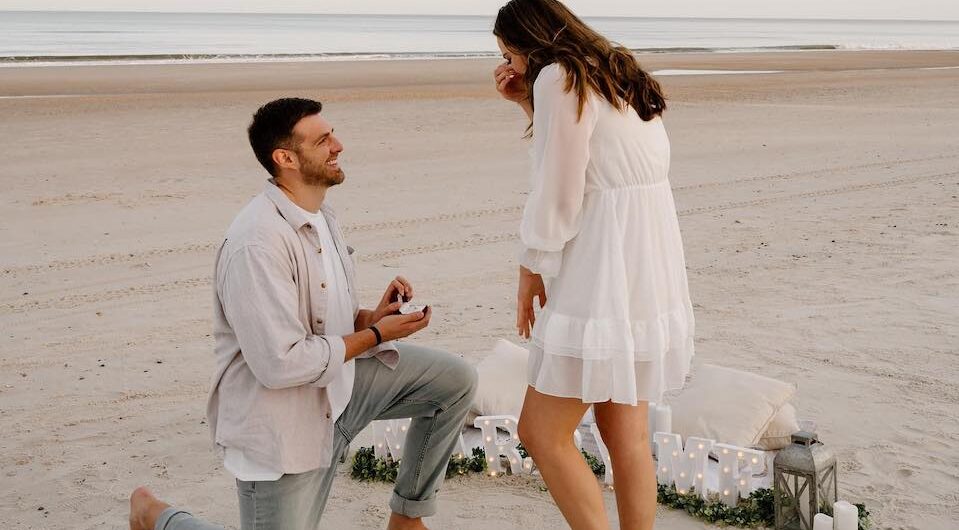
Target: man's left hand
[388, 304]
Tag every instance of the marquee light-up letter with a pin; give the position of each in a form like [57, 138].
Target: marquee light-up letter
[737, 465]
[496, 445]
[389, 436]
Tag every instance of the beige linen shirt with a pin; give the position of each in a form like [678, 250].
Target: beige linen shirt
[273, 361]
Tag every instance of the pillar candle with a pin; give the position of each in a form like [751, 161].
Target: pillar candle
[651, 426]
[846, 516]
[822, 522]
[664, 418]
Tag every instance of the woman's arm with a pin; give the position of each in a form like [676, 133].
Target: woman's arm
[551, 217]
[560, 158]
[527, 108]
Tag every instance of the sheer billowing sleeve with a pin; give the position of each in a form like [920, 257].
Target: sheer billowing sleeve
[560, 154]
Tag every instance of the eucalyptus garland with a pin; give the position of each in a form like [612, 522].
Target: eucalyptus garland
[597, 465]
[368, 468]
[755, 511]
[461, 465]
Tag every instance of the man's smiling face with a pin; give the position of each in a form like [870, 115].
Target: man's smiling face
[317, 151]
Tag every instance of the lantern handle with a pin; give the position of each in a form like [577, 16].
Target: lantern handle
[805, 438]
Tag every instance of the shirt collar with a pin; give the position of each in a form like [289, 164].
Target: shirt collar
[293, 214]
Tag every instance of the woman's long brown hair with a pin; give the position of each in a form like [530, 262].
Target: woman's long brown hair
[546, 31]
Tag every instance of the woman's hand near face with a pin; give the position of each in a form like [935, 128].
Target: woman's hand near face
[512, 86]
[509, 83]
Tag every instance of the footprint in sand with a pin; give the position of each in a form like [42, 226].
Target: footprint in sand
[905, 473]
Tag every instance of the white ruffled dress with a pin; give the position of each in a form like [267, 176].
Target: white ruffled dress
[600, 226]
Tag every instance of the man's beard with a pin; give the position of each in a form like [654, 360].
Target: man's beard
[321, 175]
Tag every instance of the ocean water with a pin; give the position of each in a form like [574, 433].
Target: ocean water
[47, 37]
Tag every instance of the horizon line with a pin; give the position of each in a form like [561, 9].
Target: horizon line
[673, 17]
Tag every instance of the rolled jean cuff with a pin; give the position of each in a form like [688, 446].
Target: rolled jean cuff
[170, 516]
[413, 509]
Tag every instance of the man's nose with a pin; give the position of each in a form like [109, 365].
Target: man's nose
[337, 145]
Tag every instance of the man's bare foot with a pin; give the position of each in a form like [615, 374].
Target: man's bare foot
[402, 522]
[145, 509]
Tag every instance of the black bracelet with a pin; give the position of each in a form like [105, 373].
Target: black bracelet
[379, 338]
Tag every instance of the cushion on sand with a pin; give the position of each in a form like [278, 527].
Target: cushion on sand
[780, 430]
[501, 381]
[729, 406]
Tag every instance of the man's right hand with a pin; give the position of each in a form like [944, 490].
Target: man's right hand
[394, 327]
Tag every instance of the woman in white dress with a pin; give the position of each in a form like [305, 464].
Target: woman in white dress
[602, 253]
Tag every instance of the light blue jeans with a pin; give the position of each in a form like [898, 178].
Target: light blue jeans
[432, 387]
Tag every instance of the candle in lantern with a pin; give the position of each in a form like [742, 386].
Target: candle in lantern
[846, 516]
[664, 418]
[804, 479]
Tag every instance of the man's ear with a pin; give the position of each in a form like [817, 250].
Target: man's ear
[285, 158]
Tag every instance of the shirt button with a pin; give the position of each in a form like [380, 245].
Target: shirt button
[319, 321]
[308, 226]
[319, 251]
[323, 285]
[329, 415]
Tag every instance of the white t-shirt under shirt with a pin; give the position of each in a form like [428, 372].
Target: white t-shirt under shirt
[339, 321]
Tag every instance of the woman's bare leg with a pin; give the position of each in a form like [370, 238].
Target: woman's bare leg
[546, 429]
[625, 432]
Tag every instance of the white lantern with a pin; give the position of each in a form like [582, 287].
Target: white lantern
[805, 482]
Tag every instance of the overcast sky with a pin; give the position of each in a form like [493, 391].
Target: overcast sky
[886, 9]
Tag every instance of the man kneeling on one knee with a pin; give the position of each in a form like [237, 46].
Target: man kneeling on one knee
[300, 368]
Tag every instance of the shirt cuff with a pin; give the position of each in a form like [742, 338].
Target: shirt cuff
[386, 353]
[337, 359]
[541, 262]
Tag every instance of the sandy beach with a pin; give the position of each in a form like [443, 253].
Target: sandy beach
[819, 207]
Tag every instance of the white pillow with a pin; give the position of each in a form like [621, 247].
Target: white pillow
[780, 430]
[729, 406]
[502, 381]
